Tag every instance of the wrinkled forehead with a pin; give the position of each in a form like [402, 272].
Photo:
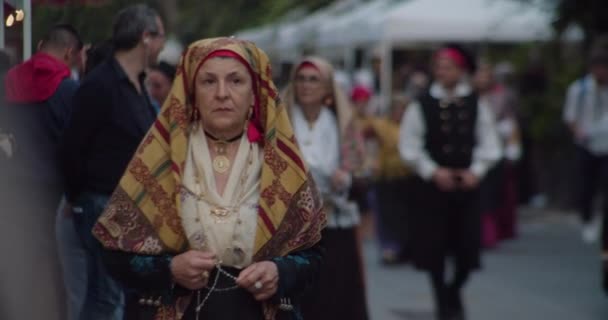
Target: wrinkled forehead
[203, 50]
[214, 62]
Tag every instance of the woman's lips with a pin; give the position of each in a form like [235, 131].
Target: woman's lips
[223, 110]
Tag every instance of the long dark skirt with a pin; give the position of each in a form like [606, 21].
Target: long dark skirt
[499, 204]
[444, 224]
[491, 195]
[340, 291]
[391, 223]
[605, 251]
[237, 304]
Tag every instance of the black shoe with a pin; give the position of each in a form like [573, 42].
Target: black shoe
[442, 306]
[454, 305]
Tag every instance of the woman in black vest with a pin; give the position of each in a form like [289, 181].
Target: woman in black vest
[450, 140]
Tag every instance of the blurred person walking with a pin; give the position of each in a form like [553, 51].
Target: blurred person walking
[449, 139]
[586, 114]
[72, 252]
[160, 79]
[499, 191]
[112, 113]
[392, 183]
[39, 96]
[362, 190]
[331, 146]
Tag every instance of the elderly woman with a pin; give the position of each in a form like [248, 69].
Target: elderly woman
[332, 148]
[216, 216]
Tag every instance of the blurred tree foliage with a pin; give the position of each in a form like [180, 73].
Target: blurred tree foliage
[187, 19]
[543, 72]
[590, 15]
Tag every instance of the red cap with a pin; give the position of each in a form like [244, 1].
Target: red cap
[360, 93]
[454, 55]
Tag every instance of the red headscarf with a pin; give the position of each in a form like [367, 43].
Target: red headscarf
[307, 64]
[254, 129]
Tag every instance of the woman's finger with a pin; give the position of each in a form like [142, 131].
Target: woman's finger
[245, 273]
[249, 277]
[266, 293]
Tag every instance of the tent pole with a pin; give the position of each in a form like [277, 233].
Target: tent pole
[27, 29]
[386, 76]
[3, 28]
[348, 59]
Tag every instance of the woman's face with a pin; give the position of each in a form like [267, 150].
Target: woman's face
[483, 79]
[397, 111]
[223, 95]
[447, 72]
[160, 85]
[360, 106]
[310, 90]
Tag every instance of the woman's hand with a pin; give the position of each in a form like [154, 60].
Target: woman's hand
[261, 279]
[191, 269]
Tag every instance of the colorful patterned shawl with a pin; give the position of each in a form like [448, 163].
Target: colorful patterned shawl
[143, 214]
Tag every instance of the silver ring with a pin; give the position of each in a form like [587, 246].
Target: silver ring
[257, 285]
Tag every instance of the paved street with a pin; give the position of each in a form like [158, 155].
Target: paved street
[547, 273]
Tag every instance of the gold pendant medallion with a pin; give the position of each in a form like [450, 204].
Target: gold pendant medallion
[221, 164]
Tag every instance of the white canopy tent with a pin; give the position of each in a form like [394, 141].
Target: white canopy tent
[353, 27]
[297, 31]
[355, 23]
[408, 21]
[465, 21]
[386, 24]
[262, 36]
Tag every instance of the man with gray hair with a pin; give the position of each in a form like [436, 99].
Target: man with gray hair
[112, 113]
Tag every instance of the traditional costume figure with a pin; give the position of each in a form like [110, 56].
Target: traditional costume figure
[216, 216]
[499, 199]
[331, 146]
[450, 141]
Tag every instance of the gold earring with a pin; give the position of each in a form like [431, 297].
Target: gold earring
[195, 118]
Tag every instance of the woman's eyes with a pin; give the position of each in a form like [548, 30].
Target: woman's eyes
[238, 80]
[235, 81]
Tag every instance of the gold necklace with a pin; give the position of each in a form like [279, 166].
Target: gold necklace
[221, 213]
[220, 161]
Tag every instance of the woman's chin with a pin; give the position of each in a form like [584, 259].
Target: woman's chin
[225, 126]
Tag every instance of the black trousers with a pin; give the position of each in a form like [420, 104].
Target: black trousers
[445, 225]
[593, 174]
